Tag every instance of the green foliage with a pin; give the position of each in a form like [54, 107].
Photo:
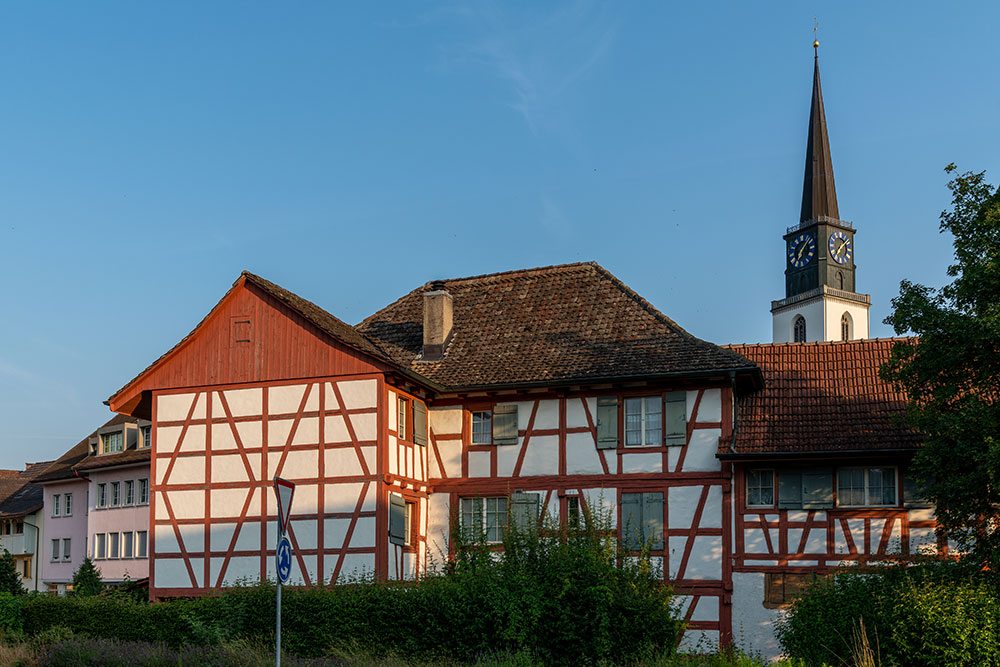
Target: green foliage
[932, 613]
[11, 613]
[10, 580]
[565, 598]
[87, 579]
[951, 373]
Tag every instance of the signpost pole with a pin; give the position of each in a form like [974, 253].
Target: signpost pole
[277, 628]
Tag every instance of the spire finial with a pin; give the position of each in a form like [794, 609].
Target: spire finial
[815, 41]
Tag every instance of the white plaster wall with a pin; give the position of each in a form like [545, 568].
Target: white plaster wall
[782, 322]
[835, 309]
[753, 624]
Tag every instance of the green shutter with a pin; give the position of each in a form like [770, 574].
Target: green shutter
[631, 528]
[675, 411]
[607, 422]
[397, 519]
[524, 512]
[789, 489]
[505, 424]
[652, 520]
[817, 488]
[419, 423]
[913, 497]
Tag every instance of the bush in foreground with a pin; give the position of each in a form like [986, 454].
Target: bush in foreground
[932, 613]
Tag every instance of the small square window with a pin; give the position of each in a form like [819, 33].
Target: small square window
[482, 427]
[760, 488]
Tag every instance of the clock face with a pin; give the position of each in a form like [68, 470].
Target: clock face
[801, 250]
[840, 247]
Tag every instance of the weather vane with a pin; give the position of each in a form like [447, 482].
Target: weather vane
[815, 41]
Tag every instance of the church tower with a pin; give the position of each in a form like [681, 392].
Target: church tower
[820, 299]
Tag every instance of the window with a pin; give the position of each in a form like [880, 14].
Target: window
[99, 544]
[401, 419]
[408, 525]
[482, 427]
[486, 516]
[782, 588]
[116, 494]
[642, 520]
[67, 551]
[55, 549]
[643, 421]
[140, 544]
[68, 504]
[129, 492]
[799, 329]
[55, 504]
[26, 568]
[573, 511]
[397, 519]
[102, 495]
[147, 436]
[128, 542]
[845, 327]
[143, 491]
[112, 442]
[760, 488]
[18, 527]
[857, 487]
[113, 544]
[840, 279]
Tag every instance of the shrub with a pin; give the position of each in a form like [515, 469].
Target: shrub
[931, 613]
[10, 580]
[87, 579]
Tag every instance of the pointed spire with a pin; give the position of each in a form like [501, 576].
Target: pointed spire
[819, 195]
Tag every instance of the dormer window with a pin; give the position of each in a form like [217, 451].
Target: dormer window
[112, 442]
[147, 436]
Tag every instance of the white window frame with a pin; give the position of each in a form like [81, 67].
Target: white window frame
[67, 545]
[867, 486]
[146, 437]
[143, 491]
[116, 540]
[401, 417]
[100, 546]
[116, 494]
[482, 418]
[56, 544]
[67, 504]
[644, 431]
[129, 498]
[759, 487]
[141, 544]
[55, 504]
[116, 437]
[102, 495]
[128, 541]
[408, 525]
[488, 507]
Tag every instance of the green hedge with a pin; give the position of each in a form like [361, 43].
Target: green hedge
[933, 613]
[565, 600]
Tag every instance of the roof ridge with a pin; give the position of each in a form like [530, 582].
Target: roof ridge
[817, 343]
[528, 271]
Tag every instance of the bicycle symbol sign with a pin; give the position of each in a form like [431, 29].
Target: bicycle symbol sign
[283, 559]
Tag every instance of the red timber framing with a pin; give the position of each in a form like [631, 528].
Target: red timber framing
[808, 541]
[322, 433]
[612, 475]
[405, 463]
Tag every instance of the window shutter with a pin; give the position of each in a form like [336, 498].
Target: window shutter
[817, 488]
[505, 424]
[789, 489]
[524, 512]
[652, 518]
[912, 494]
[419, 423]
[631, 528]
[607, 422]
[675, 411]
[397, 519]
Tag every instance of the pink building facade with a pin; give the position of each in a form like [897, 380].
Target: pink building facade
[65, 536]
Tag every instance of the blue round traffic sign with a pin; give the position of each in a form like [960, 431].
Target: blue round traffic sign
[283, 559]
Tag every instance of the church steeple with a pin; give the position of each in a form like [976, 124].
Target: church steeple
[819, 195]
[820, 299]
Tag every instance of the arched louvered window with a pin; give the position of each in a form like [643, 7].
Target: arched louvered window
[800, 329]
[845, 327]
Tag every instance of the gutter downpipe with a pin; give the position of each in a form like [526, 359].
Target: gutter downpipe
[736, 421]
[36, 556]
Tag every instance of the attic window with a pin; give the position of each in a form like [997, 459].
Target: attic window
[242, 329]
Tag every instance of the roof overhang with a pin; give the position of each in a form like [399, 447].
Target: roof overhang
[816, 454]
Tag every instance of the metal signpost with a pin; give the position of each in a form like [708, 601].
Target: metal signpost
[284, 490]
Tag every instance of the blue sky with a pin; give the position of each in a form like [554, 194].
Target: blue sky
[149, 152]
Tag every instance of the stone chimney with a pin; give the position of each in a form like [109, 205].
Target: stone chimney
[437, 321]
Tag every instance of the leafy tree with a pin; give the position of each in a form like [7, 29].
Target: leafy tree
[87, 579]
[952, 371]
[10, 580]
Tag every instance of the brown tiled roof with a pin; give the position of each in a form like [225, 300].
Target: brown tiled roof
[820, 397]
[21, 495]
[574, 322]
[62, 468]
[119, 459]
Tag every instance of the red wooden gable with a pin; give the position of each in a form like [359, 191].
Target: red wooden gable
[249, 336]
